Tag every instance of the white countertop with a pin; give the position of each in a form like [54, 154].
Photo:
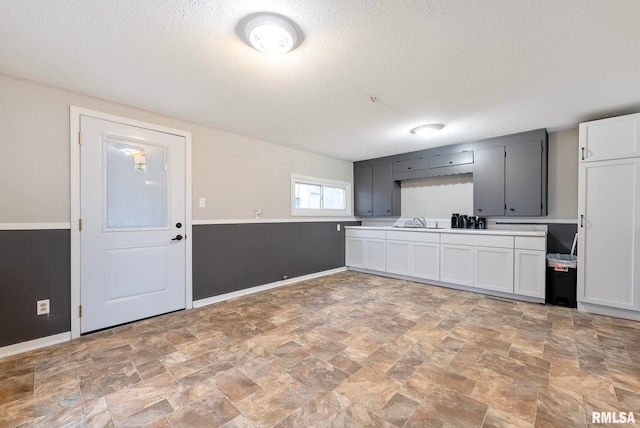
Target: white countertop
[502, 232]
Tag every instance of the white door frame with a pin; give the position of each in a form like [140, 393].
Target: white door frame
[74, 151]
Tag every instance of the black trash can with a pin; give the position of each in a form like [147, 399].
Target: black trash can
[562, 279]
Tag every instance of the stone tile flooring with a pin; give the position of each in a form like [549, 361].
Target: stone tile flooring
[347, 350]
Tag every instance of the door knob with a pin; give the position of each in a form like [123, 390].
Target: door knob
[177, 238]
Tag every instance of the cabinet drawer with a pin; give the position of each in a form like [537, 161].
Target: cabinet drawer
[365, 233]
[399, 235]
[531, 243]
[451, 159]
[477, 240]
[411, 165]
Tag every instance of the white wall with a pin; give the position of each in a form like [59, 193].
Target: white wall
[235, 174]
[439, 197]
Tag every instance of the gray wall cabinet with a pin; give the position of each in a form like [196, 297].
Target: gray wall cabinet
[488, 182]
[523, 179]
[510, 179]
[509, 175]
[375, 192]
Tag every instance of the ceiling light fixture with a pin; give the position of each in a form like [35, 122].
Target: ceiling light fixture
[270, 33]
[427, 131]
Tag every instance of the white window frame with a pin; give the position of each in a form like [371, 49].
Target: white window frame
[304, 179]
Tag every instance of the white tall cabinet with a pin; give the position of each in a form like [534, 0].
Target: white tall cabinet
[609, 217]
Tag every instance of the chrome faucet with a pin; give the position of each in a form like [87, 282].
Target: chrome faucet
[422, 221]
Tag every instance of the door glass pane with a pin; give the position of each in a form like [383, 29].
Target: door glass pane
[135, 193]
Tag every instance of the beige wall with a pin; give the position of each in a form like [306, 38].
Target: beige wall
[235, 174]
[563, 174]
[439, 197]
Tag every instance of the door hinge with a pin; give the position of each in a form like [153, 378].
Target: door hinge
[79, 224]
[80, 311]
[80, 138]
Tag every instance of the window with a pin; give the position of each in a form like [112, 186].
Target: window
[319, 197]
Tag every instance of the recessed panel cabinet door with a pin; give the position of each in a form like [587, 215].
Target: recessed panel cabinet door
[382, 197]
[456, 264]
[425, 261]
[488, 182]
[398, 256]
[493, 268]
[609, 233]
[362, 186]
[612, 138]
[523, 186]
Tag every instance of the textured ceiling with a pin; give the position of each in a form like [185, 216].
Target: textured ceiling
[481, 67]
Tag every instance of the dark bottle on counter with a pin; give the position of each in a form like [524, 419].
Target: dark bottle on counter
[455, 217]
[463, 222]
[482, 223]
[473, 222]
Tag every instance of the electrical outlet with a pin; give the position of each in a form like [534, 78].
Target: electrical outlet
[42, 307]
[338, 227]
[257, 214]
[202, 203]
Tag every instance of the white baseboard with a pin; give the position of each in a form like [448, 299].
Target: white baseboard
[30, 345]
[454, 286]
[607, 311]
[264, 287]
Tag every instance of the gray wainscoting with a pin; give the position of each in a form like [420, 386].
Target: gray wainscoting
[34, 265]
[560, 237]
[232, 257]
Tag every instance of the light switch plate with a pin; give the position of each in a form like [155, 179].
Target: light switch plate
[201, 202]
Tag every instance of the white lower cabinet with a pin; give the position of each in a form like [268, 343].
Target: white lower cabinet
[365, 249]
[354, 252]
[493, 268]
[456, 264]
[398, 257]
[414, 258]
[425, 260]
[530, 266]
[508, 264]
[529, 277]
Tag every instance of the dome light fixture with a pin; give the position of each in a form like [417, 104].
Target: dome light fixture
[427, 131]
[270, 33]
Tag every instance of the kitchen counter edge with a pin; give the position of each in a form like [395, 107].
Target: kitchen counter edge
[501, 232]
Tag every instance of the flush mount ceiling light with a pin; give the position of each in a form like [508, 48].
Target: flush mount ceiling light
[270, 33]
[427, 131]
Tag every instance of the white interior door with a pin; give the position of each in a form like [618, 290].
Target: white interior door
[132, 209]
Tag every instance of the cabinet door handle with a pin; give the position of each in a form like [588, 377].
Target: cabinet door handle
[581, 220]
[582, 148]
[479, 210]
[512, 209]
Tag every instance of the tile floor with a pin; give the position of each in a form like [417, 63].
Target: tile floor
[347, 350]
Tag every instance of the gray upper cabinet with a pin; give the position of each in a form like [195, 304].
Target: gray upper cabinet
[523, 184]
[511, 180]
[362, 191]
[488, 182]
[375, 192]
[451, 159]
[509, 175]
